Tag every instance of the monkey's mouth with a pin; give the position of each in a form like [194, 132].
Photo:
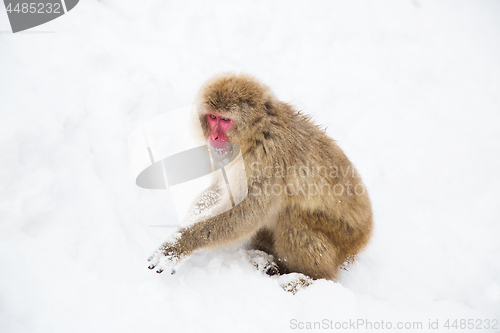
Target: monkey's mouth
[220, 148]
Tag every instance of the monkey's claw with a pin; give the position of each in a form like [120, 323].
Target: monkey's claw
[272, 269]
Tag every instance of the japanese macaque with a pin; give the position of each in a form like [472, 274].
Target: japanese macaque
[306, 205]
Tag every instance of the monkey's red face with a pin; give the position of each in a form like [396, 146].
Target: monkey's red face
[219, 125]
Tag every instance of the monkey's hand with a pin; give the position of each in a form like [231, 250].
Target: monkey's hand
[167, 257]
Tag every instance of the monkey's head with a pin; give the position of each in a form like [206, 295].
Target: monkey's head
[233, 108]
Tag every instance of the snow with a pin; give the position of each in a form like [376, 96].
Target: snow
[409, 89]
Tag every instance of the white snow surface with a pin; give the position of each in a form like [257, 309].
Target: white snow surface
[410, 89]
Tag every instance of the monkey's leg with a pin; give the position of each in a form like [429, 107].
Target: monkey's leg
[301, 249]
[263, 241]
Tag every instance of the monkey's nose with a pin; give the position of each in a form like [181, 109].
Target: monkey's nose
[215, 136]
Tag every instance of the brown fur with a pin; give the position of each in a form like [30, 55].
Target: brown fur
[306, 232]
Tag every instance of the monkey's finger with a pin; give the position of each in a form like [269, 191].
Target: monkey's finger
[160, 270]
[164, 264]
[155, 257]
[154, 260]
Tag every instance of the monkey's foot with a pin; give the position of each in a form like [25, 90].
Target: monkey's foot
[294, 282]
[165, 258]
[263, 262]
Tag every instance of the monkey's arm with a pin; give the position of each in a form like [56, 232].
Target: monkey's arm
[232, 225]
[205, 202]
[235, 224]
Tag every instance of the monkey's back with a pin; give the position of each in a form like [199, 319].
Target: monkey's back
[325, 192]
